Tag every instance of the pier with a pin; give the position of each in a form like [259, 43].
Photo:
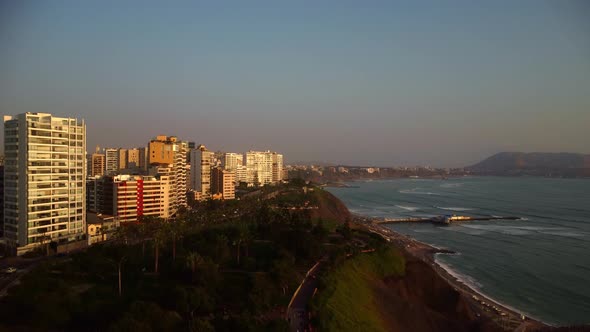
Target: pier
[442, 220]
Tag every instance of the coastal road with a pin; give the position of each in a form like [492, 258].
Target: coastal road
[297, 313]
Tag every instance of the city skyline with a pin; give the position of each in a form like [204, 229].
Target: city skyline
[381, 84]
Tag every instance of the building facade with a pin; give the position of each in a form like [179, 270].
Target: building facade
[111, 161]
[168, 157]
[133, 160]
[122, 158]
[135, 196]
[201, 160]
[97, 164]
[45, 188]
[223, 183]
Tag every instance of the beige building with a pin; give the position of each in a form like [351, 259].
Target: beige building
[223, 183]
[100, 227]
[161, 150]
[168, 157]
[133, 160]
[135, 196]
[122, 158]
[97, 164]
[44, 180]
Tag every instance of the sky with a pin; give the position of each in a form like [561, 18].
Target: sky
[384, 83]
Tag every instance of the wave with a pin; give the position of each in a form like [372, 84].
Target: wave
[476, 287]
[415, 192]
[566, 234]
[454, 208]
[451, 185]
[409, 208]
[467, 280]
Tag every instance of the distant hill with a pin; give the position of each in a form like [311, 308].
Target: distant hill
[543, 164]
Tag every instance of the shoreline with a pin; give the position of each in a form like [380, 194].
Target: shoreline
[502, 314]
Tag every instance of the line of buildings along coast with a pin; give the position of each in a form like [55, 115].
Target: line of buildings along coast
[54, 192]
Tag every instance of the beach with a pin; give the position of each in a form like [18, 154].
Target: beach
[506, 317]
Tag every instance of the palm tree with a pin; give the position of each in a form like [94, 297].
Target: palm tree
[193, 261]
[159, 237]
[175, 230]
[119, 269]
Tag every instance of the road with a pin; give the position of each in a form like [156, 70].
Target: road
[22, 265]
[297, 313]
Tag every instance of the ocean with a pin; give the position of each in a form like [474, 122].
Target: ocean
[539, 265]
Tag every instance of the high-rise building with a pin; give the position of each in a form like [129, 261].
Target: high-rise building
[44, 192]
[167, 157]
[232, 160]
[161, 150]
[277, 167]
[223, 183]
[97, 164]
[2, 199]
[133, 160]
[259, 168]
[111, 161]
[235, 162]
[201, 160]
[122, 158]
[143, 158]
[136, 196]
[241, 174]
[263, 167]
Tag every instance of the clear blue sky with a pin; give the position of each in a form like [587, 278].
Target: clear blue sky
[443, 83]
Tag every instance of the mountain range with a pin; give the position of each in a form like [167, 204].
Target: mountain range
[536, 163]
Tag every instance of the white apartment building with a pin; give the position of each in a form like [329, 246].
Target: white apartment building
[201, 163]
[259, 166]
[112, 161]
[232, 160]
[44, 188]
[277, 167]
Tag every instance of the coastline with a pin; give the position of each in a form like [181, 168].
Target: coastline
[504, 315]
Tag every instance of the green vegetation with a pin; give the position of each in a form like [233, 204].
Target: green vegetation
[346, 300]
[220, 266]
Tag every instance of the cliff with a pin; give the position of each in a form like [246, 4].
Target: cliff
[330, 208]
[420, 300]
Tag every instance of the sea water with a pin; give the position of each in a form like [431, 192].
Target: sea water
[539, 265]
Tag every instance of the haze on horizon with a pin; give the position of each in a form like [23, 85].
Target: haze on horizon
[379, 83]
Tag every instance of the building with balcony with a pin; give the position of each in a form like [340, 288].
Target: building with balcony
[44, 187]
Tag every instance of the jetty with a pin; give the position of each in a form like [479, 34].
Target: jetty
[441, 220]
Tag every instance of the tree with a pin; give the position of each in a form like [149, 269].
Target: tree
[119, 270]
[103, 230]
[193, 261]
[159, 237]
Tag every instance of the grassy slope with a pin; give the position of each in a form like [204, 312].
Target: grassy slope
[348, 302]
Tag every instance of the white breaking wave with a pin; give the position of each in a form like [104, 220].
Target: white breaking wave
[415, 192]
[451, 185]
[409, 208]
[454, 208]
[566, 234]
